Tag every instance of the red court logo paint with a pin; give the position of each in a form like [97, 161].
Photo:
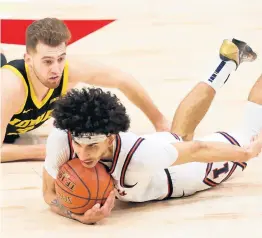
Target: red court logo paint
[13, 30]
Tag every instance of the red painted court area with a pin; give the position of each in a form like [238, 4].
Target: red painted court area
[13, 30]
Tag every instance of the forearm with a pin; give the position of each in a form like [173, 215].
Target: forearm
[219, 151]
[52, 201]
[11, 152]
[138, 96]
[110, 77]
[191, 110]
[208, 152]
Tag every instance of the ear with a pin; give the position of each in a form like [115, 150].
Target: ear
[111, 139]
[28, 58]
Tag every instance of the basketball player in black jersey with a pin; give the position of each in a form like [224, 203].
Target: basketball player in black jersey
[30, 86]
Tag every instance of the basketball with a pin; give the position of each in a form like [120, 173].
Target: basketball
[79, 188]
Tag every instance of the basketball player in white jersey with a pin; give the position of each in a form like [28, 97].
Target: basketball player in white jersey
[91, 125]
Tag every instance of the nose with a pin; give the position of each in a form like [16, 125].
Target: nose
[55, 68]
[84, 156]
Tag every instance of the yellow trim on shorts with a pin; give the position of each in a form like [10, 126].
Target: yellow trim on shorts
[19, 75]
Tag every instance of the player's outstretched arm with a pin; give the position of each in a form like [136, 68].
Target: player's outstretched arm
[203, 151]
[11, 98]
[105, 76]
[49, 195]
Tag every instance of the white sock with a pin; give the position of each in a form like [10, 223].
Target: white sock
[221, 74]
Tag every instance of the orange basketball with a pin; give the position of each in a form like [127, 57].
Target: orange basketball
[79, 188]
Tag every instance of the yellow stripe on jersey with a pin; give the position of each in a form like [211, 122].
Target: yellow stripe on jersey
[24, 126]
[65, 79]
[35, 100]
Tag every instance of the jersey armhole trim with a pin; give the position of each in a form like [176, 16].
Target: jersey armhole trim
[37, 103]
[19, 75]
[65, 79]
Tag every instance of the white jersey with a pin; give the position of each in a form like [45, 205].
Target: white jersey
[142, 167]
[136, 160]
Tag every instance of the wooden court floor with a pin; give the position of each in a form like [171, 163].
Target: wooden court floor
[168, 46]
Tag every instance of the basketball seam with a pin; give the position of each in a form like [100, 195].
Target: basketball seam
[74, 194]
[107, 187]
[81, 180]
[101, 200]
[97, 182]
[78, 177]
[64, 189]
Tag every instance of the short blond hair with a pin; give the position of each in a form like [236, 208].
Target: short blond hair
[49, 31]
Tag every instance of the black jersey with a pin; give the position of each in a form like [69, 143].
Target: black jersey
[34, 112]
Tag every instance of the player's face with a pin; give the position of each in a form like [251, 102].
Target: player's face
[47, 64]
[91, 154]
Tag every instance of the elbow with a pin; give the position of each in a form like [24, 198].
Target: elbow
[123, 85]
[125, 82]
[198, 146]
[49, 197]
[196, 149]
[189, 152]
[45, 196]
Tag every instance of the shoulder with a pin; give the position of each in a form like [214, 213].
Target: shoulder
[57, 151]
[57, 133]
[57, 139]
[128, 135]
[12, 88]
[11, 80]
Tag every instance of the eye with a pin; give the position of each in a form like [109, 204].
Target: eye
[93, 145]
[61, 59]
[48, 62]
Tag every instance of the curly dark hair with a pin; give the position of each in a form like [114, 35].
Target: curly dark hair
[90, 110]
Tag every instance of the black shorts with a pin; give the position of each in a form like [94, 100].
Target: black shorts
[3, 60]
[10, 139]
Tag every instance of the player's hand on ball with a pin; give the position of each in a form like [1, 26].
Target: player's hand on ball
[97, 213]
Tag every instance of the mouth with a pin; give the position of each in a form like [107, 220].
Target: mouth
[88, 162]
[54, 78]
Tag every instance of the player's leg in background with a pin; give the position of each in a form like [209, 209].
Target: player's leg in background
[255, 93]
[250, 126]
[253, 109]
[195, 105]
[187, 179]
[2, 58]
[251, 123]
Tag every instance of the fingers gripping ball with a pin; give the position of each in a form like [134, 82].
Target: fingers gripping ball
[79, 188]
